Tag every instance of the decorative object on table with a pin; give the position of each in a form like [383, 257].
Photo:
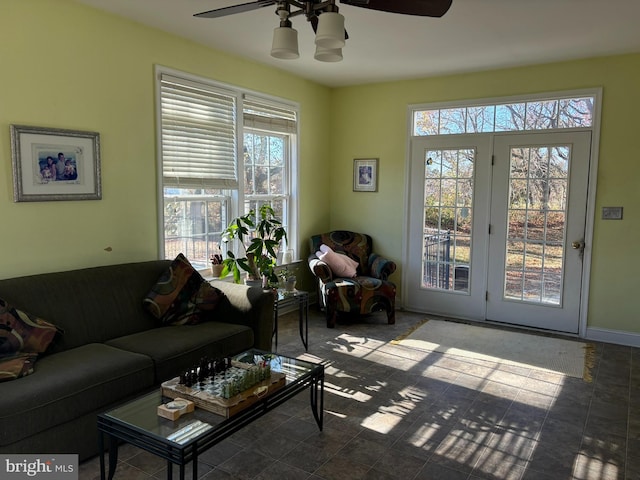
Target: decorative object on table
[365, 175]
[224, 386]
[261, 254]
[176, 408]
[287, 256]
[54, 164]
[290, 284]
[366, 291]
[287, 275]
[216, 261]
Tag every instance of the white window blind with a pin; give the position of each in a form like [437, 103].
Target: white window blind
[198, 129]
[261, 114]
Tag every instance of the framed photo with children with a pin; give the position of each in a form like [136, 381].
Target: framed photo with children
[55, 164]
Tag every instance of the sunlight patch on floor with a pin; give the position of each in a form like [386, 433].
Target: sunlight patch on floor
[382, 422]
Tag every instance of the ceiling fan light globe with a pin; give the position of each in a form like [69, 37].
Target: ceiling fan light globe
[285, 43]
[330, 33]
[328, 54]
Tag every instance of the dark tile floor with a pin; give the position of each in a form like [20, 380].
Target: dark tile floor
[393, 413]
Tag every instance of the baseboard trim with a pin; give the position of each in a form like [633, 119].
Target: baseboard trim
[613, 336]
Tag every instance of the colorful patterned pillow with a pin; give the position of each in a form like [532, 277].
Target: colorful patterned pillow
[170, 296]
[200, 306]
[16, 366]
[181, 295]
[21, 332]
[208, 297]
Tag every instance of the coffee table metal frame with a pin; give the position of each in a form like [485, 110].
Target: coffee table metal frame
[116, 429]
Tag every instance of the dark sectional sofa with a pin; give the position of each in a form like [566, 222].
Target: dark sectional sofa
[111, 350]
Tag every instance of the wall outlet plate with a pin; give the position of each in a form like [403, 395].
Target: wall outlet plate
[612, 213]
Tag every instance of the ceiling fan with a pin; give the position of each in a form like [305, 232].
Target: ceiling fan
[325, 20]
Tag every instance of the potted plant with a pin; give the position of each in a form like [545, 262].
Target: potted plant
[287, 278]
[260, 256]
[216, 261]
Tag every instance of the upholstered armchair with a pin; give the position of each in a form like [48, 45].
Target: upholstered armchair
[356, 283]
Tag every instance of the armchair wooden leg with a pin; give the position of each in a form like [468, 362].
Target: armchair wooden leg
[331, 317]
[391, 316]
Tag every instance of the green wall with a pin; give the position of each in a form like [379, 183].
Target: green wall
[371, 120]
[70, 66]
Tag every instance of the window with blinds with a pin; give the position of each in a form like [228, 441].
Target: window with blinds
[198, 128]
[222, 152]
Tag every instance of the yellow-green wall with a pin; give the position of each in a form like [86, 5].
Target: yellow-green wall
[96, 74]
[66, 65]
[371, 120]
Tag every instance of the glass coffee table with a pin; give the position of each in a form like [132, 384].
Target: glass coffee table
[181, 441]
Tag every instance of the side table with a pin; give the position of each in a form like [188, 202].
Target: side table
[285, 298]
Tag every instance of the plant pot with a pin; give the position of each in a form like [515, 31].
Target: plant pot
[253, 282]
[216, 270]
[290, 284]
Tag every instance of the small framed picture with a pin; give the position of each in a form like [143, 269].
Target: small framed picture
[365, 175]
[54, 164]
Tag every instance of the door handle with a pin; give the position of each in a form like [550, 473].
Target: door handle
[578, 245]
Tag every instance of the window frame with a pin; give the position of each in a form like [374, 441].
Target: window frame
[236, 198]
[495, 102]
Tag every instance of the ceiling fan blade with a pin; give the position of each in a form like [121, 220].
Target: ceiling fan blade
[243, 7]
[424, 8]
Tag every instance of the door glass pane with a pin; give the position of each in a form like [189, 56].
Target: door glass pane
[536, 212]
[448, 213]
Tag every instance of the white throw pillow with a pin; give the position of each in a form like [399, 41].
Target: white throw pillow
[340, 264]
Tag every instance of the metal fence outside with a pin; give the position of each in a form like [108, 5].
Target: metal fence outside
[436, 261]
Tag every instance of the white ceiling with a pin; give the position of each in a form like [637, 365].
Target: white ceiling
[473, 35]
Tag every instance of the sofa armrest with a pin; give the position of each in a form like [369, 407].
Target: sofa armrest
[251, 306]
[319, 268]
[380, 267]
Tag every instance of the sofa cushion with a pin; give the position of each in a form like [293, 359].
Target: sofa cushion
[16, 366]
[176, 348]
[23, 332]
[67, 385]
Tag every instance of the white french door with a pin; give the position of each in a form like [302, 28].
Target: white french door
[538, 213]
[445, 272]
[499, 242]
